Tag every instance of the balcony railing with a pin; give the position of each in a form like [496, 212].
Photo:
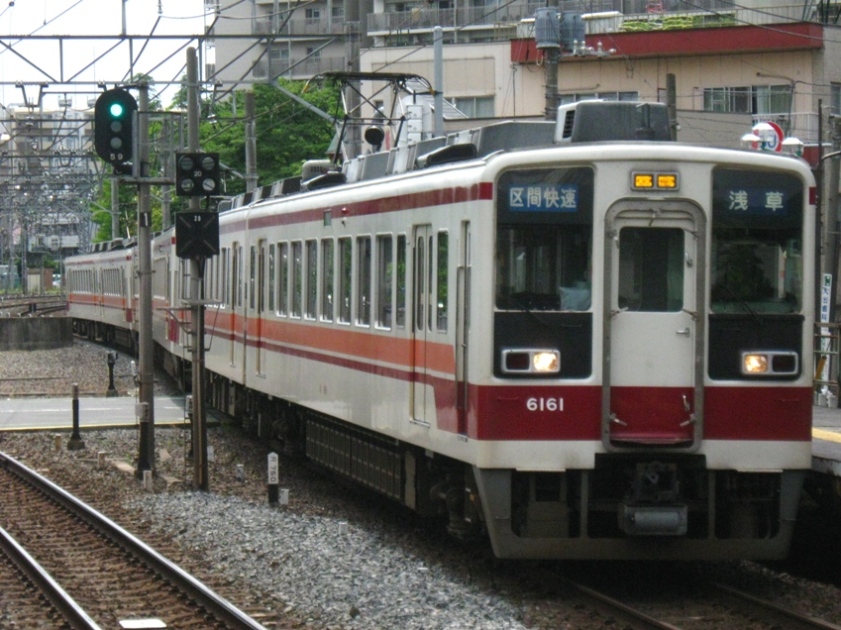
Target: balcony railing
[315, 27]
[429, 17]
[601, 16]
[300, 68]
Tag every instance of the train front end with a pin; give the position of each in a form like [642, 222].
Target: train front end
[651, 385]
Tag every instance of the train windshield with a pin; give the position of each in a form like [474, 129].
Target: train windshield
[757, 237]
[544, 240]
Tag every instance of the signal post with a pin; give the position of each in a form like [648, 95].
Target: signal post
[121, 133]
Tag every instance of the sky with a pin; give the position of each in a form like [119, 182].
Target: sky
[34, 61]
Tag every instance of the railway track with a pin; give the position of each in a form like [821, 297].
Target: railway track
[110, 575]
[32, 305]
[712, 606]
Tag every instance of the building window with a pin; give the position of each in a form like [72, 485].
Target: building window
[835, 96]
[772, 99]
[757, 99]
[567, 99]
[728, 99]
[475, 106]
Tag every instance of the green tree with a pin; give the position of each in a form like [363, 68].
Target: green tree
[287, 132]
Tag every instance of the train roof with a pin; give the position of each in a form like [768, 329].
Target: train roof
[585, 121]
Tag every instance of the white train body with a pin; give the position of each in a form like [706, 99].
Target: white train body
[554, 346]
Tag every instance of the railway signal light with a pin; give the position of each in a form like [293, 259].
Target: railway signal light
[113, 126]
[196, 234]
[197, 174]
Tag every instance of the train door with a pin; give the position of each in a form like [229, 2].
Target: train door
[422, 309]
[462, 328]
[654, 325]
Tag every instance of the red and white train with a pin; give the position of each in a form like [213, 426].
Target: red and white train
[581, 340]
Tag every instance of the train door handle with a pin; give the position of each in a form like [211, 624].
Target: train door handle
[683, 331]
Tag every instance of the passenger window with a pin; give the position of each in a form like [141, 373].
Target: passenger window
[345, 277]
[441, 306]
[312, 279]
[363, 295]
[272, 278]
[283, 279]
[400, 313]
[385, 273]
[252, 275]
[327, 279]
[297, 277]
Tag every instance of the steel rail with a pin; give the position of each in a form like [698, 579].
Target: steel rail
[191, 587]
[70, 611]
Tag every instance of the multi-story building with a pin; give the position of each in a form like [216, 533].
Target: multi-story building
[47, 179]
[733, 64]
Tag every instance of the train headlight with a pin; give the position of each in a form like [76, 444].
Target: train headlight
[546, 362]
[770, 363]
[754, 363]
[531, 361]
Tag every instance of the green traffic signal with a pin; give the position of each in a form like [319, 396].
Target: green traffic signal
[114, 129]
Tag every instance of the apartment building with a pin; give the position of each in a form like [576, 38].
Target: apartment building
[733, 63]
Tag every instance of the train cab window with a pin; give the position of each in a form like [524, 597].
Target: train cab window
[327, 273]
[272, 277]
[283, 278]
[400, 272]
[441, 303]
[297, 278]
[345, 279]
[363, 285]
[312, 279]
[385, 274]
[651, 264]
[757, 236]
[543, 267]
[544, 240]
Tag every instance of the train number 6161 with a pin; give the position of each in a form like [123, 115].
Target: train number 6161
[545, 404]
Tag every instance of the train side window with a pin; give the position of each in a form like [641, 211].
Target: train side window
[400, 297]
[345, 277]
[442, 286]
[283, 279]
[420, 254]
[327, 279]
[224, 277]
[385, 275]
[238, 273]
[252, 276]
[297, 278]
[311, 304]
[363, 285]
[272, 279]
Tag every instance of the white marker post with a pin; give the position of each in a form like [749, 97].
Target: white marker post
[273, 481]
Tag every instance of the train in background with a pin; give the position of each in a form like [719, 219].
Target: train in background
[581, 340]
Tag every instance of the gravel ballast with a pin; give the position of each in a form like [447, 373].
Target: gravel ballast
[334, 557]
